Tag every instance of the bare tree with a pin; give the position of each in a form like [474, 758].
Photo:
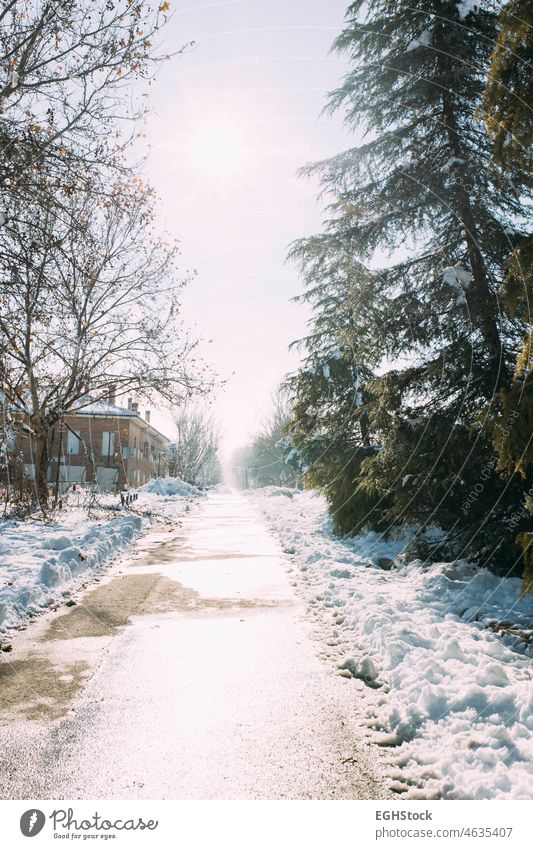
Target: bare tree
[66, 73]
[194, 454]
[88, 294]
[87, 300]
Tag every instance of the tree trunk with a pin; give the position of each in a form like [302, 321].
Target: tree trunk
[41, 465]
[364, 426]
[482, 301]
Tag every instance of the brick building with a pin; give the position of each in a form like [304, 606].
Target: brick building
[114, 447]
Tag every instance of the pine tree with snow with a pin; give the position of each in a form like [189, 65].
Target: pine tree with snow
[420, 204]
[329, 424]
[509, 91]
[509, 119]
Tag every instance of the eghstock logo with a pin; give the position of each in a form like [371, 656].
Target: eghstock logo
[32, 822]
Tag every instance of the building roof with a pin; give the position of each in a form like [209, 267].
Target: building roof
[107, 410]
[88, 407]
[104, 409]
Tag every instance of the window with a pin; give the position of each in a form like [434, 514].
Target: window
[73, 442]
[108, 444]
[127, 453]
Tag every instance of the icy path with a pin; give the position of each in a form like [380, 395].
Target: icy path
[212, 691]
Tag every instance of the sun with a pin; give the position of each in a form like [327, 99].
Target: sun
[217, 149]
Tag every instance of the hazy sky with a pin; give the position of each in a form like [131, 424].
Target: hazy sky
[234, 119]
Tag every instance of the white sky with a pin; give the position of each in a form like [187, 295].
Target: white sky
[233, 121]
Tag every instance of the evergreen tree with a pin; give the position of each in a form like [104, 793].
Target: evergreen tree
[509, 92]
[509, 119]
[419, 203]
[329, 424]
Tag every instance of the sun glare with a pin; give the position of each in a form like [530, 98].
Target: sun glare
[217, 149]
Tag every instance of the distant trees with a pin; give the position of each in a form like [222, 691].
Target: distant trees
[396, 402]
[193, 456]
[270, 458]
[89, 292]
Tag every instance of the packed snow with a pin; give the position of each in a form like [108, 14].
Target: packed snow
[451, 699]
[423, 40]
[40, 561]
[451, 163]
[465, 7]
[169, 488]
[459, 279]
[45, 562]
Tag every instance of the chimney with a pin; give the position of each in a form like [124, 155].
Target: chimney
[147, 416]
[112, 393]
[130, 403]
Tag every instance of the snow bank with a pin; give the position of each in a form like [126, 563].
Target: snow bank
[169, 487]
[452, 699]
[39, 560]
[43, 562]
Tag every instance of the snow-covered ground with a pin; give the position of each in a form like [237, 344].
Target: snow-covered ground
[44, 563]
[451, 698]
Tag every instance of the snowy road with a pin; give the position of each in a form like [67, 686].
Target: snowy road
[191, 675]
